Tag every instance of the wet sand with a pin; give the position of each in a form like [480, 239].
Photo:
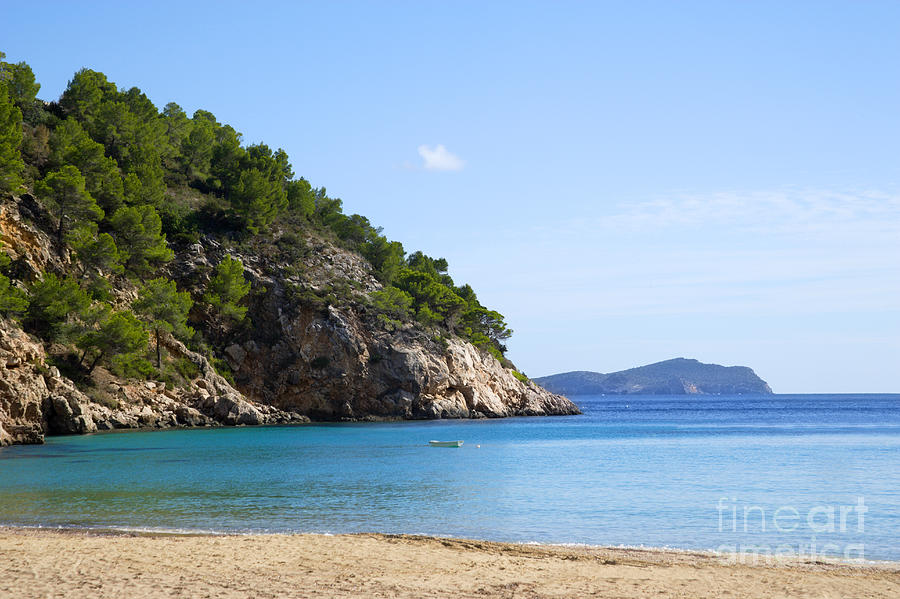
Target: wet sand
[44, 563]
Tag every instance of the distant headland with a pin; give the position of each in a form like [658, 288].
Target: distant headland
[679, 376]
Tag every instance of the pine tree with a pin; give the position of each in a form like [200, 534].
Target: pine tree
[139, 237]
[11, 164]
[120, 334]
[64, 191]
[165, 309]
[227, 288]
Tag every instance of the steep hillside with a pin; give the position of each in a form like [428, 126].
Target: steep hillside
[155, 271]
[671, 377]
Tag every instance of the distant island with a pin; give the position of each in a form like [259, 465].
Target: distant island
[679, 376]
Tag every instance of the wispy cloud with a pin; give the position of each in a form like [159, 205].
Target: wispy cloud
[440, 158]
[784, 211]
[787, 252]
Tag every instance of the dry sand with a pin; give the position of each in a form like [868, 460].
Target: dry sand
[42, 563]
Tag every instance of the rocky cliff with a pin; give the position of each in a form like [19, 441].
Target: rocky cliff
[337, 362]
[36, 400]
[296, 359]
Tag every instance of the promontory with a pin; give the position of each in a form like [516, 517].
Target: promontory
[157, 271]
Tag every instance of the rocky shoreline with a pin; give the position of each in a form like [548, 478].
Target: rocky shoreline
[301, 360]
[37, 400]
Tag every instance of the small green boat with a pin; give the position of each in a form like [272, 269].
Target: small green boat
[445, 443]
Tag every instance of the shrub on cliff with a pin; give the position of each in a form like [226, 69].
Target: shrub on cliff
[12, 301]
[120, 336]
[227, 288]
[55, 304]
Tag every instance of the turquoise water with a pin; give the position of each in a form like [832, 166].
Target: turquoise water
[652, 471]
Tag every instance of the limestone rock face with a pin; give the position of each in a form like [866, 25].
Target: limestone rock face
[22, 388]
[330, 365]
[23, 241]
[36, 400]
[339, 362]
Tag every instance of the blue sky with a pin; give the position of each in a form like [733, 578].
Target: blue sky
[626, 181]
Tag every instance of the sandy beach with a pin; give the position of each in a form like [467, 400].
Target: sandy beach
[43, 563]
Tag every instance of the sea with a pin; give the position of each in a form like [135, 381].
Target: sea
[807, 475]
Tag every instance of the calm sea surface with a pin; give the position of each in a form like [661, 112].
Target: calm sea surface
[803, 473]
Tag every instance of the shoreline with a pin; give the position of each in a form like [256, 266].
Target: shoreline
[68, 562]
[709, 554]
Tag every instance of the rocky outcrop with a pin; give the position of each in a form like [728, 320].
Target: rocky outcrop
[36, 400]
[330, 365]
[30, 247]
[22, 388]
[338, 363]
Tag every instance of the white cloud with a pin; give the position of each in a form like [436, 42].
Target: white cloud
[440, 158]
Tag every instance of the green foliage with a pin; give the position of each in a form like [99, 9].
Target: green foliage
[126, 123]
[67, 198]
[186, 368]
[386, 256]
[20, 83]
[393, 302]
[138, 235]
[97, 252]
[11, 164]
[227, 288]
[520, 376]
[35, 148]
[256, 199]
[176, 124]
[165, 309]
[13, 301]
[435, 303]
[223, 369]
[54, 304]
[85, 94]
[119, 336]
[438, 303]
[132, 366]
[197, 147]
[70, 144]
[301, 197]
